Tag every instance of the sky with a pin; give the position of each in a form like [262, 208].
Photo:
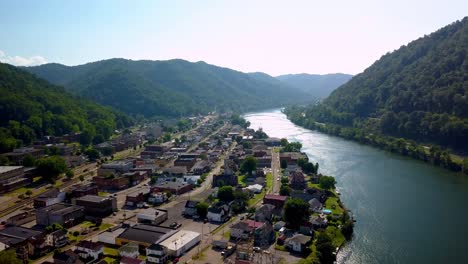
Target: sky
[275, 37]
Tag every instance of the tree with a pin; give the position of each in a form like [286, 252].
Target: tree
[4, 161]
[327, 182]
[69, 174]
[284, 164]
[51, 167]
[81, 178]
[285, 190]
[325, 248]
[92, 154]
[248, 165]
[9, 257]
[29, 161]
[202, 209]
[226, 193]
[29, 192]
[295, 212]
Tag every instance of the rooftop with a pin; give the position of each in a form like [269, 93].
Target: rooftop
[4, 169]
[276, 197]
[179, 239]
[90, 244]
[146, 233]
[92, 198]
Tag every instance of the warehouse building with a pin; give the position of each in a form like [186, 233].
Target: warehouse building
[181, 242]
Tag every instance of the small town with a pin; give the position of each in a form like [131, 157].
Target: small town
[201, 190]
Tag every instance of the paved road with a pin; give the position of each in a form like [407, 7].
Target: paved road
[276, 170]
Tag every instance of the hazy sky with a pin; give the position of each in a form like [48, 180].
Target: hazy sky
[275, 37]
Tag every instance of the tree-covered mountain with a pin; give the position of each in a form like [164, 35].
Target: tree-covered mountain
[31, 108]
[319, 86]
[418, 92]
[168, 88]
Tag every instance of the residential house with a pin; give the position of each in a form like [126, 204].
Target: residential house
[130, 250]
[298, 242]
[297, 180]
[292, 157]
[276, 200]
[318, 221]
[315, 205]
[128, 260]
[219, 212]
[156, 254]
[278, 225]
[152, 216]
[58, 238]
[264, 213]
[201, 167]
[157, 197]
[244, 229]
[67, 257]
[255, 188]
[89, 250]
[264, 235]
[190, 208]
[26, 241]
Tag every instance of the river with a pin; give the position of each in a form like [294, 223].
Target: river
[406, 211]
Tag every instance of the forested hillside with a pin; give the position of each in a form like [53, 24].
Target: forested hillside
[169, 88]
[418, 92]
[31, 108]
[319, 86]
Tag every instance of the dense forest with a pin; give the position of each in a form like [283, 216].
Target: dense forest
[319, 86]
[418, 92]
[32, 108]
[169, 88]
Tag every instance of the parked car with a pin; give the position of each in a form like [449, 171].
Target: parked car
[256, 249]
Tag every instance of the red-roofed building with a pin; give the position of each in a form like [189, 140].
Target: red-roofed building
[276, 200]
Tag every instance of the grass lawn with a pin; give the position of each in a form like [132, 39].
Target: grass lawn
[241, 180]
[73, 238]
[111, 251]
[105, 226]
[259, 196]
[109, 260]
[337, 237]
[332, 204]
[227, 235]
[103, 194]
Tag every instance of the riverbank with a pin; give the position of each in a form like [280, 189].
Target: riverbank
[403, 206]
[429, 154]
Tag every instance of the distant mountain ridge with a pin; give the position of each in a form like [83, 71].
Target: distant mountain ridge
[169, 88]
[31, 108]
[418, 92]
[318, 85]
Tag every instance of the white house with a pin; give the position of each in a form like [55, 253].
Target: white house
[255, 188]
[218, 213]
[88, 249]
[156, 254]
[298, 242]
[157, 198]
